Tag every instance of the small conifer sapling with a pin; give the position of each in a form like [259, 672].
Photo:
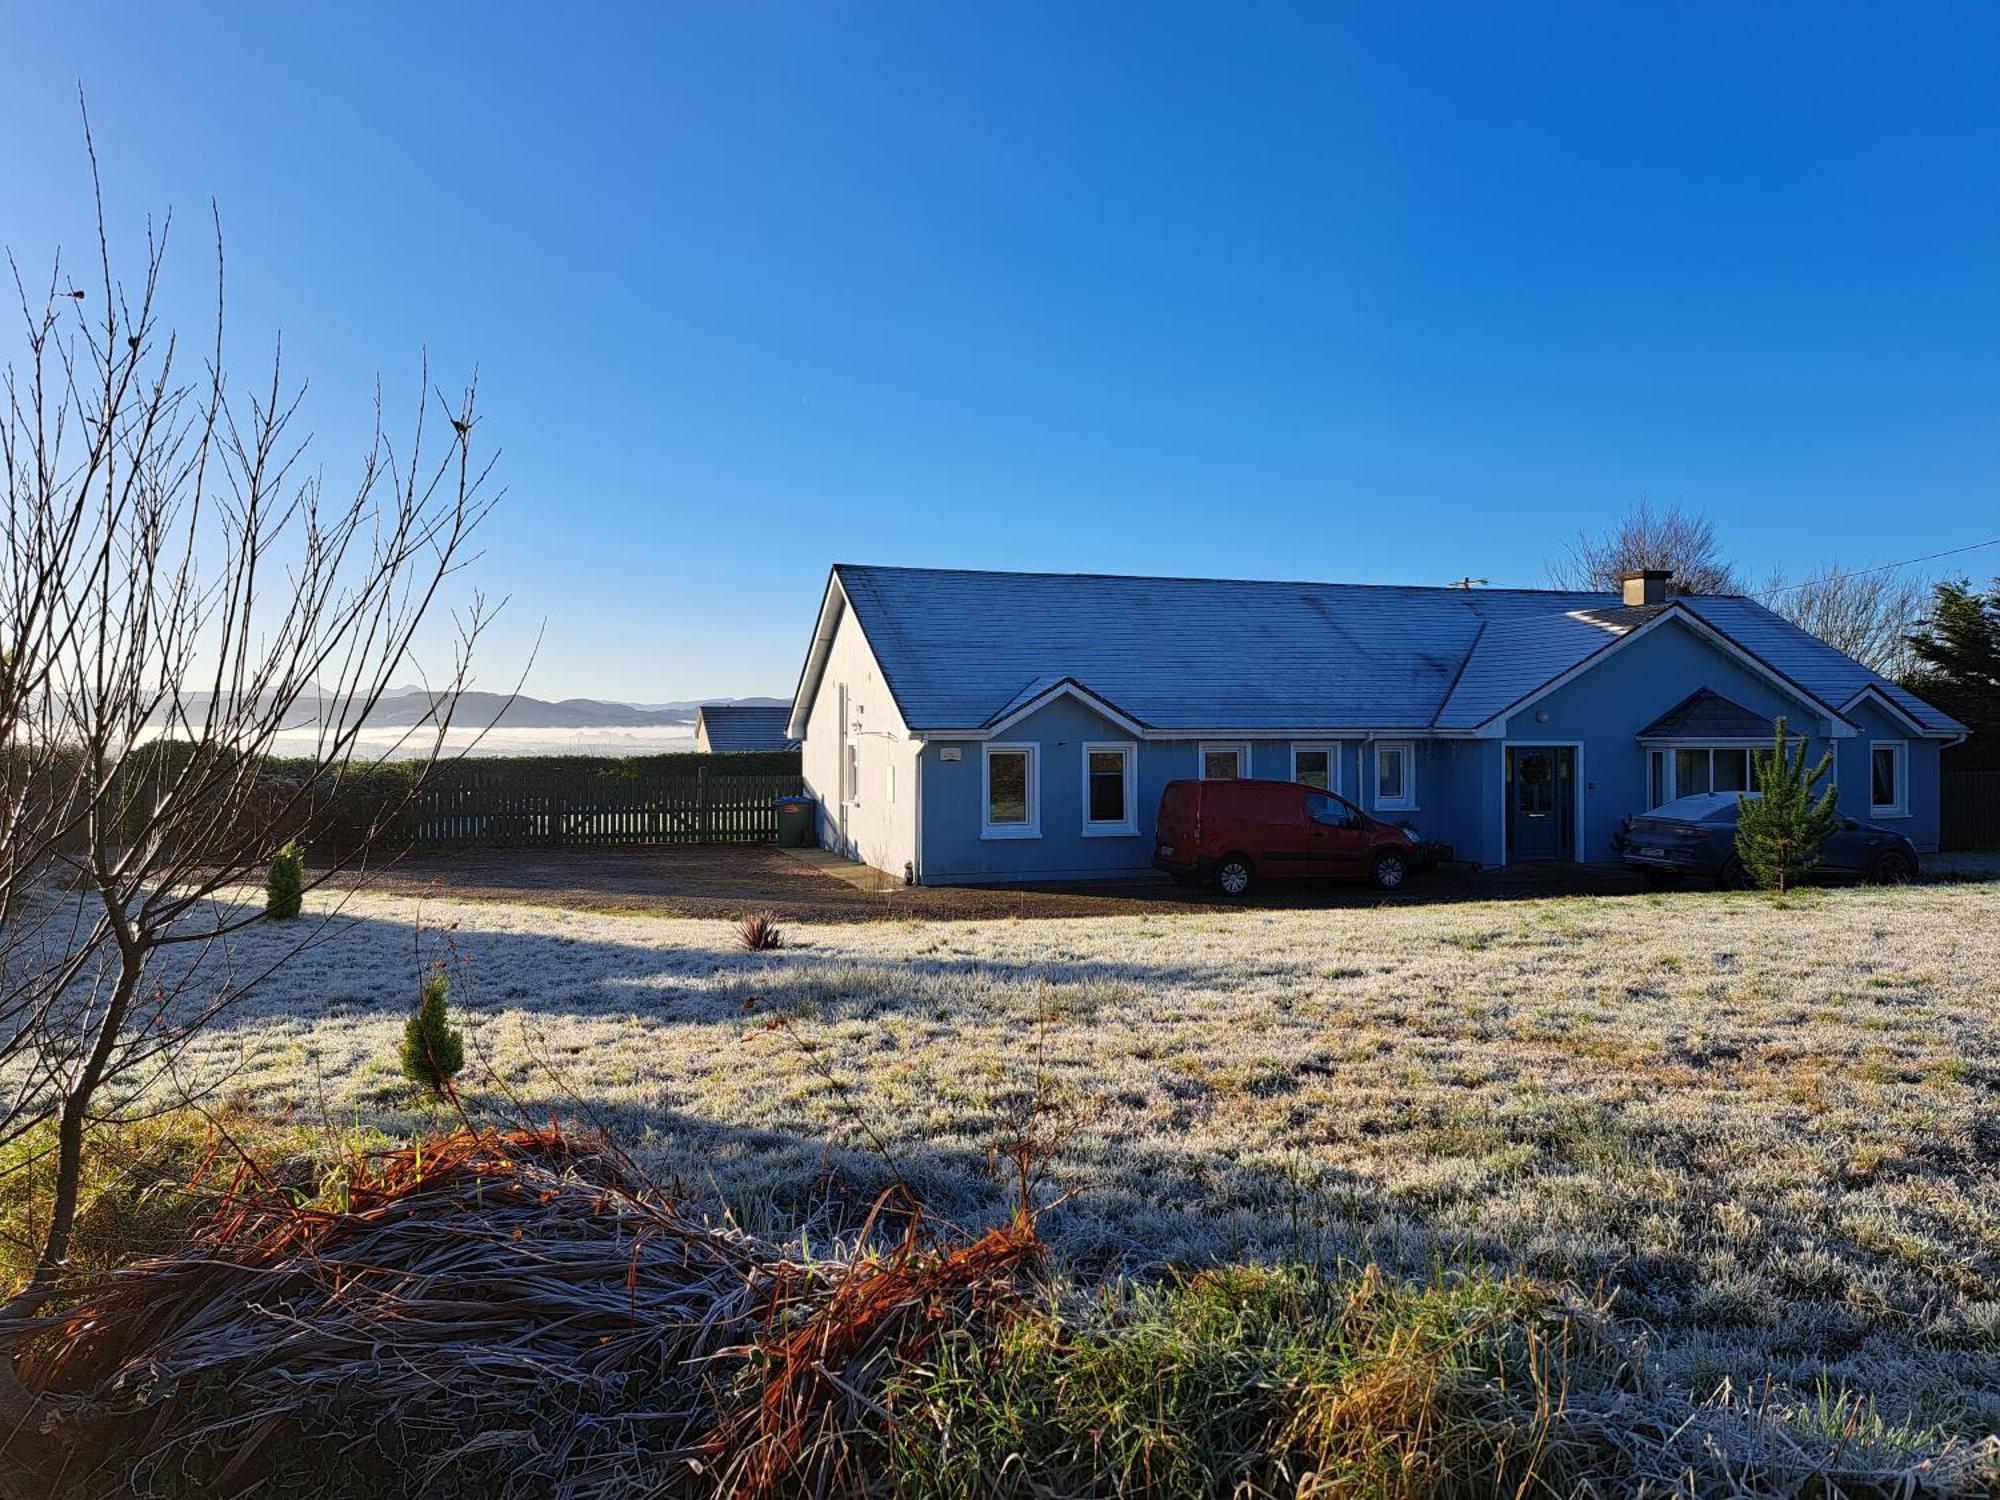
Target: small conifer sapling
[1780, 831]
[432, 1052]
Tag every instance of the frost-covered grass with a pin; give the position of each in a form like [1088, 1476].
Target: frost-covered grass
[1773, 1131]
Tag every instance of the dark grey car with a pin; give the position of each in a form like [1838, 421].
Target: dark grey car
[1697, 836]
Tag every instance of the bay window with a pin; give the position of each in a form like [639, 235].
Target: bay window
[1690, 770]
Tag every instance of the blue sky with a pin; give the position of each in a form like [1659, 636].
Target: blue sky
[1374, 293]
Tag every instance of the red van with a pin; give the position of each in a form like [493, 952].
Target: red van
[1239, 832]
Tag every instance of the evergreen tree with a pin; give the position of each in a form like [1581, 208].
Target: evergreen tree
[1956, 655]
[432, 1053]
[284, 887]
[1779, 834]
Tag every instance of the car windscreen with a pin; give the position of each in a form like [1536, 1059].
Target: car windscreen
[1705, 807]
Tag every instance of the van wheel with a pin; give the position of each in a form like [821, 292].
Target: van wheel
[1389, 871]
[1731, 877]
[1233, 876]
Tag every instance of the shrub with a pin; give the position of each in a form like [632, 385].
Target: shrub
[284, 888]
[432, 1052]
[759, 932]
[1779, 833]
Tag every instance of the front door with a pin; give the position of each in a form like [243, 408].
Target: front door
[1541, 802]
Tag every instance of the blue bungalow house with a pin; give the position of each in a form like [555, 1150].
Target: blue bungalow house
[966, 726]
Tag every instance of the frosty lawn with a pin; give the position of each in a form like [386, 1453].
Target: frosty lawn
[1773, 1131]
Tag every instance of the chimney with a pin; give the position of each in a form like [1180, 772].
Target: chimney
[1645, 585]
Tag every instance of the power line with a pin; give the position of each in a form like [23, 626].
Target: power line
[1908, 562]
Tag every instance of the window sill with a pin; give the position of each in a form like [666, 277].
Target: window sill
[1010, 833]
[1890, 812]
[1396, 807]
[1110, 831]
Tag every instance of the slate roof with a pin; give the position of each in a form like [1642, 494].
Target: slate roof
[960, 648]
[1706, 715]
[737, 726]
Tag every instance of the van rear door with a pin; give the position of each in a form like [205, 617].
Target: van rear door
[1179, 815]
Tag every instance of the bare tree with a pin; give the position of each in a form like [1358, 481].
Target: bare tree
[177, 588]
[1869, 615]
[1676, 539]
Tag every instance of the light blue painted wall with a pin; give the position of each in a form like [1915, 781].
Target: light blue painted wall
[1851, 764]
[952, 848]
[1607, 707]
[1461, 794]
[1452, 798]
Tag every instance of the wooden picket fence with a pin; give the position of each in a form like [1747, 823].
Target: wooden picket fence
[704, 806]
[1969, 810]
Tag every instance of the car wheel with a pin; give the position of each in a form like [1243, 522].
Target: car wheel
[1731, 877]
[1891, 867]
[1233, 877]
[1389, 871]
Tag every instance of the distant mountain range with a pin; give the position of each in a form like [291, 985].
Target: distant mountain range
[411, 705]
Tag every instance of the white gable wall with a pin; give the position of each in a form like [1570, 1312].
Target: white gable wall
[877, 824]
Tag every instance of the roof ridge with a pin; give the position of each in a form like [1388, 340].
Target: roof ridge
[1444, 702]
[1308, 583]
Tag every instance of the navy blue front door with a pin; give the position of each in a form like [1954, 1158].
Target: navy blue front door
[1541, 802]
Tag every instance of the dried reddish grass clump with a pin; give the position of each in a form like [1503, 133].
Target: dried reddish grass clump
[503, 1314]
[881, 1315]
[514, 1310]
[759, 933]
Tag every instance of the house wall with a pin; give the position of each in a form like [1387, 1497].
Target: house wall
[954, 848]
[1851, 764]
[1452, 802]
[878, 825]
[932, 821]
[1606, 707]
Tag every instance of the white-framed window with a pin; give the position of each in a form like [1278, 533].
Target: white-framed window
[1395, 775]
[1110, 789]
[1889, 779]
[1223, 760]
[1012, 808]
[852, 774]
[1317, 765]
[1689, 770]
[889, 783]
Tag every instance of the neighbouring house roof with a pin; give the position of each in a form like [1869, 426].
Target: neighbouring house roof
[736, 726]
[962, 650]
[1707, 715]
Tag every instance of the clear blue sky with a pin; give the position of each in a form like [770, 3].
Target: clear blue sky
[1380, 293]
